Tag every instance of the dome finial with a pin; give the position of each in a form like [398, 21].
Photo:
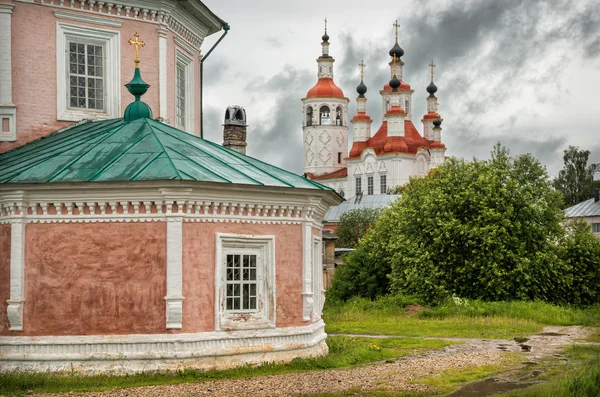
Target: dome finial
[137, 87]
[396, 26]
[432, 88]
[395, 82]
[396, 49]
[325, 36]
[362, 88]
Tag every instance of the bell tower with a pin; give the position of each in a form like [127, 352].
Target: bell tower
[325, 119]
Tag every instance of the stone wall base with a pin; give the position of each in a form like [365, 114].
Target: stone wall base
[144, 353]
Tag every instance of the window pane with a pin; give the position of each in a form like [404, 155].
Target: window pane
[236, 261]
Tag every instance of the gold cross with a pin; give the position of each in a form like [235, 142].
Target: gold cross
[137, 43]
[432, 65]
[396, 25]
[362, 70]
[325, 24]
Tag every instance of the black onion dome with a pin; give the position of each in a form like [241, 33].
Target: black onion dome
[396, 50]
[437, 122]
[361, 89]
[325, 37]
[432, 89]
[394, 83]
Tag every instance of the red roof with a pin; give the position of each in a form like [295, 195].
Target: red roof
[361, 116]
[395, 110]
[382, 144]
[404, 86]
[325, 88]
[341, 173]
[430, 116]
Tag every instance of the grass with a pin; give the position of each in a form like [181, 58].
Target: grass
[453, 379]
[344, 352]
[579, 378]
[470, 319]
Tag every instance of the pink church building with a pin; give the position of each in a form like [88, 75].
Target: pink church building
[127, 242]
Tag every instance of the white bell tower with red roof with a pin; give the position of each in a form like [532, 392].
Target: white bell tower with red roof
[325, 125]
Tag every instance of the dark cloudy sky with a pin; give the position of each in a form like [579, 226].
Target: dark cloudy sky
[525, 73]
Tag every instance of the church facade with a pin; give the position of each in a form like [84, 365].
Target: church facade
[377, 162]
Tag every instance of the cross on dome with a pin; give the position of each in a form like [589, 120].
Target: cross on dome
[432, 65]
[396, 26]
[137, 44]
[362, 70]
[325, 24]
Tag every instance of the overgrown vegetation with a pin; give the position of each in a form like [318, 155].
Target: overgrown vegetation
[354, 224]
[482, 229]
[576, 180]
[457, 317]
[343, 352]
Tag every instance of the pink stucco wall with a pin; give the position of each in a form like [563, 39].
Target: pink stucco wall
[95, 278]
[34, 68]
[199, 250]
[4, 276]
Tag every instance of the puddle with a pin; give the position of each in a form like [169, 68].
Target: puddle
[487, 387]
[525, 348]
[551, 334]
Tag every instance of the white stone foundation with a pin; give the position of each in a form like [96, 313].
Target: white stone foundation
[140, 353]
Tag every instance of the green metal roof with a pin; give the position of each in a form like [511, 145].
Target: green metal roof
[139, 150]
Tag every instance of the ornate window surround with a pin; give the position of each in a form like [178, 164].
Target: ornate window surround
[264, 248]
[110, 40]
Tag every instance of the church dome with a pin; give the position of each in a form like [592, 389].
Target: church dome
[361, 89]
[325, 88]
[432, 89]
[394, 83]
[396, 50]
[437, 122]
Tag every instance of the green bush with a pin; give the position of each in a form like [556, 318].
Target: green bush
[491, 230]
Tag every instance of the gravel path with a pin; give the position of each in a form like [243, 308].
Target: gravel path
[395, 375]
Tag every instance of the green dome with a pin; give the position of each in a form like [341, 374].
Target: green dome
[137, 109]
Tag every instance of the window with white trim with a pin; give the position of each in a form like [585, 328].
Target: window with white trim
[245, 282]
[86, 76]
[358, 185]
[383, 184]
[184, 88]
[370, 186]
[88, 73]
[596, 227]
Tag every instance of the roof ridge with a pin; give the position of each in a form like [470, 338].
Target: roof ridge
[163, 148]
[214, 158]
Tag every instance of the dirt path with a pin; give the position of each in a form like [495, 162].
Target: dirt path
[391, 375]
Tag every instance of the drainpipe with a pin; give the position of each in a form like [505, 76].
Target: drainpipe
[225, 30]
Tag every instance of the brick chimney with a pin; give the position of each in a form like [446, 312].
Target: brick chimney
[596, 195]
[234, 129]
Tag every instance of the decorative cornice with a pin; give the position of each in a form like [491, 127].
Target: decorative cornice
[185, 46]
[166, 13]
[87, 19]
[6, 8]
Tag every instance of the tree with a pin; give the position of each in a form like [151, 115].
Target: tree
[576, 179]
[354, 224]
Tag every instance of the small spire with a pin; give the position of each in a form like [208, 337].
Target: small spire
[325, 36]
[396, 49]
[137, 87]
[396, 26]
[432, 88]
[362, 88]
[137, 44]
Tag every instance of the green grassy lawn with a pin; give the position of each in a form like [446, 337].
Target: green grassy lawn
[469, 319]
[344, 352]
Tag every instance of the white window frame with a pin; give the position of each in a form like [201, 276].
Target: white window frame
[358, 185]
[382, 187]
[187, 62]
[264, 316]
[110, 41]
[596, 228]
[370, 185]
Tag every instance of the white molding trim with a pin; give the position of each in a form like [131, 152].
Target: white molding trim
[191, 51]
[17, 270]
[6, 8]
[162, 74]
[87, 19]
[264, 248]
[319, 291]
[174, 296]
[307, 292]
[110, 39]
[181, 59]
[138, 353]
